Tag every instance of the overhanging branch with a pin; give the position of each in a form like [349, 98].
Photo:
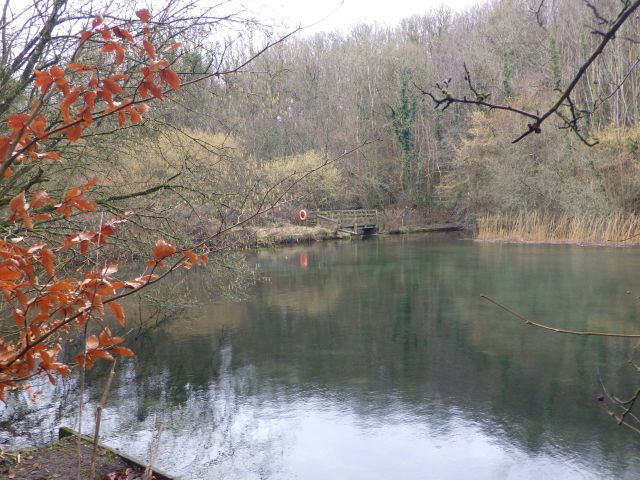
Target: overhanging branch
[446, 99]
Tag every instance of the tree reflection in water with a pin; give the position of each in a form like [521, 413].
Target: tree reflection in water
[379, 358]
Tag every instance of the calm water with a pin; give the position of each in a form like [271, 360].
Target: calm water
[378, 360]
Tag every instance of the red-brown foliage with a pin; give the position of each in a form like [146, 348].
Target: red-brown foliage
[47, 305]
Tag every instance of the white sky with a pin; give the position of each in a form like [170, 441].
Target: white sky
[348, 12]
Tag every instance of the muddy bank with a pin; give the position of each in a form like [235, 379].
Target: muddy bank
[292, 234]
[59, 460]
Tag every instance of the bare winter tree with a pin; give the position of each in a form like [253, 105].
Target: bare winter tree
[565, 107]
[609, 26]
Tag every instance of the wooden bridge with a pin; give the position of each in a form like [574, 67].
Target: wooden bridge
[353, 222]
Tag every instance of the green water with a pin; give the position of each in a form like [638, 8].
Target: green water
[378, 360]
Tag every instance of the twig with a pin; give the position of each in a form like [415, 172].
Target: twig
[99, 408]
[83, 372]
[621, 420]
[538, 13]
[153, 449]
[628, 404]
[554, 329]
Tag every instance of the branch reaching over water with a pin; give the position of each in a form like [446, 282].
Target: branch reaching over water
[625, 405]
[555, 329]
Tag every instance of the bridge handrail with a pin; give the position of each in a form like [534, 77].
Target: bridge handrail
[350, 214]
[360, 217]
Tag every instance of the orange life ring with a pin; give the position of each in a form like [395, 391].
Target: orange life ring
[302, 215]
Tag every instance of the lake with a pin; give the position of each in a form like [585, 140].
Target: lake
[378, 359]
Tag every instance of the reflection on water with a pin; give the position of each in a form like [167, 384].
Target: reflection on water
[377, 359]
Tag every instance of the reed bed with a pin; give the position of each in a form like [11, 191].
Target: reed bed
[616, 229]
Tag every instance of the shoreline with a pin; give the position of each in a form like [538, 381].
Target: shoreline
[609, 244]
[265, 237]
[59, 459]
[285, 235]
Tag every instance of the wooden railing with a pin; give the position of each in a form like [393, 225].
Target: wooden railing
[347, 218]
[354, 222]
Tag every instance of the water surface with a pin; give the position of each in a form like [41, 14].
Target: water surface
[378, 360]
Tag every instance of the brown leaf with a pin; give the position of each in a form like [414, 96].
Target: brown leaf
[43, 80]
[73, 132]
[144, 14]
[92, 342]
[18, 202]
[122, 33]
[119, 54]
[56, 72]
[124, 351]
[103, 354]
[111, 85]
[47, 258]
[40, 199]
[18, 121]
[162, 250]
[192, 256]
[19, 206]
[172, 79]
[49, 156]
[118, 312]
[149, 48]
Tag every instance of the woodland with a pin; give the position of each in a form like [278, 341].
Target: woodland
[160, 138]
[375, 89]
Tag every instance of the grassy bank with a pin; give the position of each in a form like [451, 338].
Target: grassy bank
[291, 234]
[616, 229]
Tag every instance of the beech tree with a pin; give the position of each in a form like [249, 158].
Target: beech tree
[67, 99]
[71, 75]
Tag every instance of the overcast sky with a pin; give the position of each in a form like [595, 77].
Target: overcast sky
[343, 14]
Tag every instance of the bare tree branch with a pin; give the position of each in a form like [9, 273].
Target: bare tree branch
[447, 99]
[555, 329]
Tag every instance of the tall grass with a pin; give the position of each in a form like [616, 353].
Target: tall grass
[615, 229]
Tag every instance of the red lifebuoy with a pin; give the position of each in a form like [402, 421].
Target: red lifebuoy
[302, 215]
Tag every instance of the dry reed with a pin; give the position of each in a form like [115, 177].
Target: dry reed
[616, 229]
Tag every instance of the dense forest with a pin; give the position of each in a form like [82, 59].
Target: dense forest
[312, 97]
[342, 120]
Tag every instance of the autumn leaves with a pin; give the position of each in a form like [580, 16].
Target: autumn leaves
[46, 305]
